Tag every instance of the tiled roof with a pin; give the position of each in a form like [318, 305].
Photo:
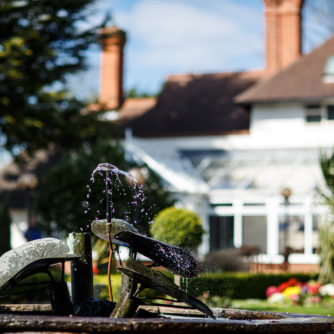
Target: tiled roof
[301, 81]
[193, 105]
[135, 107]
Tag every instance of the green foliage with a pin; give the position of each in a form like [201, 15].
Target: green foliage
[135, 93]
[326, 237]
[40, 43]
[101, 286]
[178, 227]
[15, 295]
[5, 221]
[67, 192]
[239, 285]
[326, 253]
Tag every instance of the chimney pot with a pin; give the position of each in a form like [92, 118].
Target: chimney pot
[283, 33]
[112, 40]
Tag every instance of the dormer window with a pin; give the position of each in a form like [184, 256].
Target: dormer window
[328, 75]
[313, 114]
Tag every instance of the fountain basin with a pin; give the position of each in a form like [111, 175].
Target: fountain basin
[20, 318]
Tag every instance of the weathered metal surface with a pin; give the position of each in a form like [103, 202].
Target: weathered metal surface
[288, 324]
[99, 228]
[32, 257]
[126, 307]
[81, 268]
[156, 280]
[234, 314]
[26, 308]
[127, 304]
[178, 260]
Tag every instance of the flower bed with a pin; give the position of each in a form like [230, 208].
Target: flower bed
[296, 293]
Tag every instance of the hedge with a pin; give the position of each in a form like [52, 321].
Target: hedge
[239, 285]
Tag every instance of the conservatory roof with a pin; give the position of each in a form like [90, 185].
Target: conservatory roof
[257, 171]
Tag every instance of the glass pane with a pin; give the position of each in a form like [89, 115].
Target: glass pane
[313, 114]
[313, 118]
[254, 232]
[221, 232]
[330, 112]
[291, 234]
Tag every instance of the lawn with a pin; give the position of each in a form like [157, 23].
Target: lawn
[263, 305]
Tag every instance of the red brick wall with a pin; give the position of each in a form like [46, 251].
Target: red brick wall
[111, 90]
[283, 33]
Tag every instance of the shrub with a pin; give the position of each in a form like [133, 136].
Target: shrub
[178, 227]
[239, 285]
[224, 260]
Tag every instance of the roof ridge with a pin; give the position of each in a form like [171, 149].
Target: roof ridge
[253, 93]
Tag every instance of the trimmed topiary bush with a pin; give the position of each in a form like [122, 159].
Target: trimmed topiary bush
[178, 227]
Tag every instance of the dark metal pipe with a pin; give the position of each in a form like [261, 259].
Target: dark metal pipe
[81, 269]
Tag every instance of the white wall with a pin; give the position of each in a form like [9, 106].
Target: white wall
[272, 126]
[284, 125]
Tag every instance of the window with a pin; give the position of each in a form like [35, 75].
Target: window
[221, 232]
[330, 112]
[328, 75]
[313, 114]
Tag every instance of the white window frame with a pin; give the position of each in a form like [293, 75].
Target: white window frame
[317, 110]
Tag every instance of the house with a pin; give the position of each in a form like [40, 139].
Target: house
[241, 149]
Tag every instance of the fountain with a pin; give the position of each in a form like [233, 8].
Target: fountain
[132, 312]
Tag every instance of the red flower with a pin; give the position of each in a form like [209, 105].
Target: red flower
[270, 290]
[95, 269]
[314, 289]
[291, 282]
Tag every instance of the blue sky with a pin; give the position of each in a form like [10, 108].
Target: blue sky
[179, 36]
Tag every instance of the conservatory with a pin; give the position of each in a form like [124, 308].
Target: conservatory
[266, 200]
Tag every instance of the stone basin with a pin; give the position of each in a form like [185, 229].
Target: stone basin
[37, 318]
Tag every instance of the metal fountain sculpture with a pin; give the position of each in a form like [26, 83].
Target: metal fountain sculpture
[135, 275]
[39, 255]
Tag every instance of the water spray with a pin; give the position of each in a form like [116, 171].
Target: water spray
[106, 168]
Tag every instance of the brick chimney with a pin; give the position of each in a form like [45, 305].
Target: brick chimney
[283, 33]
[111, 89]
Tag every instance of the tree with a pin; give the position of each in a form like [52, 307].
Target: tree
[326, 237]
[69, 202]
[135, 93]
[178, 227]
[40, 43]
[5, 222]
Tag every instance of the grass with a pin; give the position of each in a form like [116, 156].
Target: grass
[263, 305]
[102, 282]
